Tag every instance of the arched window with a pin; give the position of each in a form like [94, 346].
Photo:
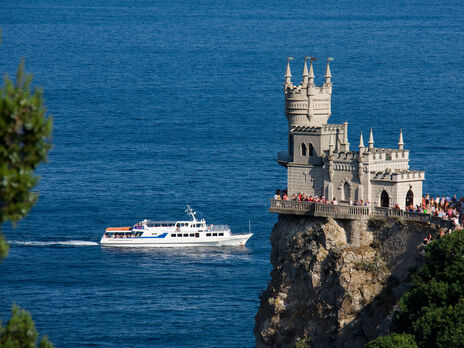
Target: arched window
[346, 192]
[409, 198]
[311, 149]
[384, 199]
[303, 149]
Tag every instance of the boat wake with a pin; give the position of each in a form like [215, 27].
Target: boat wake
[54, 243]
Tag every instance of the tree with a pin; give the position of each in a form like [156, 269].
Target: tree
[25, 133]
[20, 331]
[433, 311]
[393, 340]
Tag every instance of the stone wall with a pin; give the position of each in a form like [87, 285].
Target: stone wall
[334, 282]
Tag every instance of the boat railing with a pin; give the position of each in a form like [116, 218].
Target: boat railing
[218, 227]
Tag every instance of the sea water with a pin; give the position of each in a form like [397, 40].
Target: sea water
[157, 105]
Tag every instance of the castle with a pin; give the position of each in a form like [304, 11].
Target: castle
[319, 161]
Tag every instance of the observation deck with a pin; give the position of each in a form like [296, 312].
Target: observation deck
[351, 212]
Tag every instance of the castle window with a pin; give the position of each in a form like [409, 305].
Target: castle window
[311, 149]
[303, 149]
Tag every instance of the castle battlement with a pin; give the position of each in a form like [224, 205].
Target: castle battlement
[387, 155]
[319, 160]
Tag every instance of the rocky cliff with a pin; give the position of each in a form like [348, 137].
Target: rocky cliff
[335, 282]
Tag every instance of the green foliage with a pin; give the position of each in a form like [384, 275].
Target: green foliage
[3, 247]
[393, 340]
[433, 311]
[20, 331]
[301, 343]
[25, 132]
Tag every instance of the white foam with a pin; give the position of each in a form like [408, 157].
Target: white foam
[51, 243]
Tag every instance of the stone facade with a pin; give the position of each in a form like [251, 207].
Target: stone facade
[319, 160]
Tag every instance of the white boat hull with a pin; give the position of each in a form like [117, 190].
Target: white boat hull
[145, 242]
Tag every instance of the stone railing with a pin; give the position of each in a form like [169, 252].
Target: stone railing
[351, 212]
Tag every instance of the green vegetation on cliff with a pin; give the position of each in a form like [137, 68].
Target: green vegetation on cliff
[433, 310]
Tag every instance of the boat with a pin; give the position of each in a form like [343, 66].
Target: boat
[186, 233]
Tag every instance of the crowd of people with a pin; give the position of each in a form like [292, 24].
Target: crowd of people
[302, 197]
[444, 207]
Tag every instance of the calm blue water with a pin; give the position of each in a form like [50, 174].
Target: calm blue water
[161, 104]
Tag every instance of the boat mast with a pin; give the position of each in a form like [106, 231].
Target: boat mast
[191, 212]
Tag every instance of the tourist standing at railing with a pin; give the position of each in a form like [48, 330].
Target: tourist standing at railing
[437, 201]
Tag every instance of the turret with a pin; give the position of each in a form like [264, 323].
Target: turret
[346, 144]
[311, 72]
[361, 144]
[307, 105]
[305, 75]
[331, 144]
[400, 142]
[328, 75]
[288, 73]
[371, 140]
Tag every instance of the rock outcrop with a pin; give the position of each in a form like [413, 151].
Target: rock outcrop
[335, 282]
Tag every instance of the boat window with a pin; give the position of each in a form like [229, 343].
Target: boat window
[178, 225]
[208, 235]
[186, 235]
[197, 235]
[179, 235]
[173, 235]
[171, 225]
[198, 225]
[192, 234]
[214, 234]
[157, 225]
[164, 225]
[221, 234]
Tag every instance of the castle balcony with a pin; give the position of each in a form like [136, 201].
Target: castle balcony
[351, 212]
[283, 158]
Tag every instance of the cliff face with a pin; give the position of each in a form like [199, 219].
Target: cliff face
[335, 282]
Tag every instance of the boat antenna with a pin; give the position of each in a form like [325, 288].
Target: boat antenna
[191, 212]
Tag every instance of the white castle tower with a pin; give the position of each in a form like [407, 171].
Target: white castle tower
[319, 160]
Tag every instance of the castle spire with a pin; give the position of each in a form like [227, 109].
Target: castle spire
[361, 143]
[371, 140]
[400, 142]
[328, 75]
[305, 73]
[288, 72]
[311, 70]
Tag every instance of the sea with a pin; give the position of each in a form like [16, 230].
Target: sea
[157, 105]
